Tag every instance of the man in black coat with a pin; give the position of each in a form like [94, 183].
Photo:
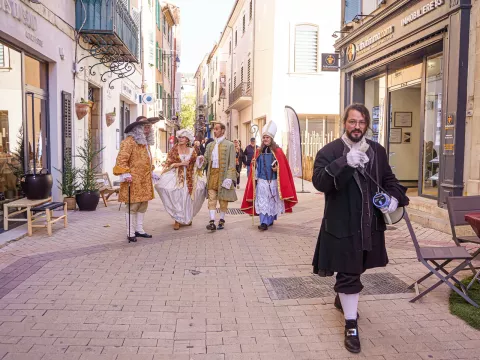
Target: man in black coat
[351, 238]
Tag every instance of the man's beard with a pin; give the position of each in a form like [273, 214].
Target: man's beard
[355, 139]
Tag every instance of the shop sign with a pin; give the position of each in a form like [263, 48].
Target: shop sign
[351, 53]
[375, 38]
[329, 62]
[425, 9]
[449, 139]
[22, 14]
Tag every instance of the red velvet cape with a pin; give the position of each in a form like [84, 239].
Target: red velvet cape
[286, 186]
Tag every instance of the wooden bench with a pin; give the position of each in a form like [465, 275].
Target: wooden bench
[48, 209]
[22, 206]
[106, 188]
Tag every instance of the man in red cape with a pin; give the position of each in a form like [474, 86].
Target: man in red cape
[274, 190]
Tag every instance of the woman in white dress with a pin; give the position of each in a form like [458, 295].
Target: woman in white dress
[182, 186]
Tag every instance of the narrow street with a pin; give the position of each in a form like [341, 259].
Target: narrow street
[85, 293]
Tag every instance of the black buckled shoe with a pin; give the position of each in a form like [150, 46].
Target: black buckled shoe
[221, 224]
[263, 227]
[131, 239]
[352, 340]
[144, 235]
[338, 305]
[211, 225]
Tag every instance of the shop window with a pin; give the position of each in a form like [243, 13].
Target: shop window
[306, 48]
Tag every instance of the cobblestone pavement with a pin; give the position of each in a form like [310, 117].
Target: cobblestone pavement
[85, 293]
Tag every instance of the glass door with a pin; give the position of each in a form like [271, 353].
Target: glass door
[36, 118]
[432, 126]
[375, 91]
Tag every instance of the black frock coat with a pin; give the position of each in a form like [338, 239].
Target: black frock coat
[351, 237]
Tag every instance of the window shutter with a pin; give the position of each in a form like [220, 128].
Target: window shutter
[236, 38]
[234, 81]
[241, 74]
[352, 8]
[230, 48]
[2, 56]
[160, 67]
[67, 125]
[251, 10]
[306, 48]
[243, 23]
[156, 57]
[248, 71]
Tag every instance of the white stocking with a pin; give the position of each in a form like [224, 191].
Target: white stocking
[349, 305]
[222, 215]
[212, 214]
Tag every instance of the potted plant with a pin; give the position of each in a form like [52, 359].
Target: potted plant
[87, 195]
[69, 183]
[81, 108]
[110, 117]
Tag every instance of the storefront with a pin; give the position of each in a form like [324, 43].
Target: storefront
[35, 67]
[408, 64]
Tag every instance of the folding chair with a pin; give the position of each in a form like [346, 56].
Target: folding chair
[458, 206]
[445, 255]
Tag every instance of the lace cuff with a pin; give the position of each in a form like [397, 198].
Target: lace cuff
[124, 177]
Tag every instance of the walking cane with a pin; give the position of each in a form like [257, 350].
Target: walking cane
[130, 238]
[252, 173]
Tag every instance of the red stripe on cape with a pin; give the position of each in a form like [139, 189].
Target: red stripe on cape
[286, 186]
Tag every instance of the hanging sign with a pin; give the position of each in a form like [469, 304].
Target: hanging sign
[329, 62]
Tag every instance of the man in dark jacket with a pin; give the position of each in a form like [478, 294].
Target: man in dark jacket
[248, 153]
[351, 238]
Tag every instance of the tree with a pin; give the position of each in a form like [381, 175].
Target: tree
[187, 115]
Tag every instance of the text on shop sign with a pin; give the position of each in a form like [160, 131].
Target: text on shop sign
[374, 38]
[432, 5]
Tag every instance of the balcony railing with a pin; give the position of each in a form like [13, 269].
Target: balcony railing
[242, 90]
[108, 26]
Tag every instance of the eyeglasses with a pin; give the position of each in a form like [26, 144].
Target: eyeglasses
[353, 123]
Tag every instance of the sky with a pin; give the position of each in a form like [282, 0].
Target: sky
[202, 21]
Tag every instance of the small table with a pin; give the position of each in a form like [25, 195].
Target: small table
[22, 205]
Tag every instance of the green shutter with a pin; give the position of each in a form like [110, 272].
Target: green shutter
[161, 60]
[157, 13]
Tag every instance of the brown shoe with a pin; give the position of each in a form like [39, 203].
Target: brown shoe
[176, 226]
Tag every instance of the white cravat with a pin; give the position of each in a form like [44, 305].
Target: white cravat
[215, 162]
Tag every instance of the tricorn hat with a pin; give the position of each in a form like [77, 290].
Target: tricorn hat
[141, 120]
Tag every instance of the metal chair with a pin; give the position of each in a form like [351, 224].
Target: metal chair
[429, 256]
[458, 206]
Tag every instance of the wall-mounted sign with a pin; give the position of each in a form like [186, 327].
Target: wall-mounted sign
[351, 53]
[425, 9]
[22, 14]
[330, 62]
[369, 41]
[449, 139]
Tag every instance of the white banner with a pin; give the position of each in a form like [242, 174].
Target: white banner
[294, 142]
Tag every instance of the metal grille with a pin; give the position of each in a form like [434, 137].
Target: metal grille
[315, 286]
[90, 94]
[232, 211]
[67, 124]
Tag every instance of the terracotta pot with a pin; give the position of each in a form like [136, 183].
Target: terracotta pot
[110, 119]
[81, 110]
[71, 203]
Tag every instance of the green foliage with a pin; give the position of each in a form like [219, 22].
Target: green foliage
[462, 309]
[18, 159]
[187, 114]
[87, 154]
[70, 175]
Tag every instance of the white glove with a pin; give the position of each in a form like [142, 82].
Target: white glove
[356, 158]
[155, 178]
[127, 177]
[393, 205]
[227, 183]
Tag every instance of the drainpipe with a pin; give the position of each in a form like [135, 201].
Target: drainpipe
[231, 83]
[253, 60]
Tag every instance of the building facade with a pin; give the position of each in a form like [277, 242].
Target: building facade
[269, 60]
[202, 129]
[407, 61]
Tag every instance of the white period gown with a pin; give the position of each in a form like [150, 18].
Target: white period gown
[175, 197]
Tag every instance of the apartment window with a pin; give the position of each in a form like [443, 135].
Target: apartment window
[157, 14]
[2, 56]
[243, 24]
[241, 74]
[352, 8]
[230, 48]
[248, 71]
[234, 81]
[306, 48]
[236, 38]
[251, 10]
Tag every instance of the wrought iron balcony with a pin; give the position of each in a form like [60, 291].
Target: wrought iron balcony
[108, 27]
[241, 96]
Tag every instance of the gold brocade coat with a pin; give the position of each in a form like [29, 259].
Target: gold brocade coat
[135, 159]
[227, 166]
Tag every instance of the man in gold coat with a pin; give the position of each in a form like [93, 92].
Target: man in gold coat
[135, 167]
[221, 175]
